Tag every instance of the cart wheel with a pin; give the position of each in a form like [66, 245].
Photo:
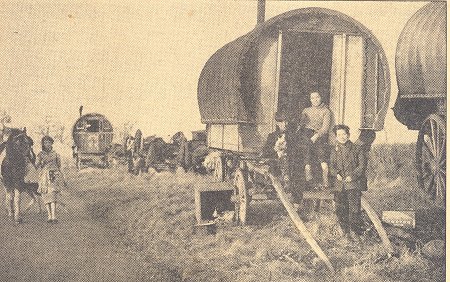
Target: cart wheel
[241, 196]
[431, 157]
[219, 169]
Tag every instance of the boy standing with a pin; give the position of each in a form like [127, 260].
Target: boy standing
[347, 165]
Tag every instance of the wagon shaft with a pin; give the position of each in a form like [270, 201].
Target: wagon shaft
[299, 223]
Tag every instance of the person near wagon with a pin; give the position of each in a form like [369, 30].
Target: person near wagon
[347, 165]
[51, 179]
[275, 148]
[313, 131]
[129, 153]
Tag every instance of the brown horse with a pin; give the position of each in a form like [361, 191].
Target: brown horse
[13, 169]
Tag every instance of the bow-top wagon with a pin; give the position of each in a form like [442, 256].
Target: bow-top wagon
[274, 68]
[92, 135]
[421, 69]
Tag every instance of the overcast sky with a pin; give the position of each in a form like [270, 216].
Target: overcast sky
[140, 61]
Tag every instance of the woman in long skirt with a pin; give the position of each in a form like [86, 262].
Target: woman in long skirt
[51, 179]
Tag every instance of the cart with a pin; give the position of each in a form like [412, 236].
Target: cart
[274, 68]
[421, 69]
[92, 135]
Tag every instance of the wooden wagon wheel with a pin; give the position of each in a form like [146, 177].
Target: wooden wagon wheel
[241, 196]
[431, 157]
[219, 169]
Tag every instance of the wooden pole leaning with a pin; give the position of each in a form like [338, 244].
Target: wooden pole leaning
[298, 222]
[378, 226]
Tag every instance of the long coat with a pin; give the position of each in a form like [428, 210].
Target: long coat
[348, 160]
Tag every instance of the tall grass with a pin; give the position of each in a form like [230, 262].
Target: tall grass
[155, 215]
[388, 162]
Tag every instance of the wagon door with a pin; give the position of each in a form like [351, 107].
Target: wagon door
[358, 90]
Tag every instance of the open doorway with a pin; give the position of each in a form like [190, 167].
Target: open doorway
[306, 66]
[306, 60]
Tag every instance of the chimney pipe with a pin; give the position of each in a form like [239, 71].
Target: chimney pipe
[261, 11]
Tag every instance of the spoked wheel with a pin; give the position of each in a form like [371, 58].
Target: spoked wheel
[431, 157]
[219, 169]
[242, 199]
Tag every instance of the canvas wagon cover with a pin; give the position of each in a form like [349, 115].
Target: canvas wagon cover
[226, 87]
[106, 125]
[421, 64]
[92, 141]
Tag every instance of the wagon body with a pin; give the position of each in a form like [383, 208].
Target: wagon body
[92, 134]
[275, 67]
[421, 70]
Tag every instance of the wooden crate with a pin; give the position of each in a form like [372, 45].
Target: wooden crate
[405, 219]
[210, 196]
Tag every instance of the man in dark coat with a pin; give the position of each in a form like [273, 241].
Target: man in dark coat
[268, 150]
[275, 149]
[347, 165]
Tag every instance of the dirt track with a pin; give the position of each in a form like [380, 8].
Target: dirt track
[75, 249]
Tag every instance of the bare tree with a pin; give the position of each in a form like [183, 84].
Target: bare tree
[5, 117]
[50, 127]
[125, 131]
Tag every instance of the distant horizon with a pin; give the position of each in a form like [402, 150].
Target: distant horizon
[140, 62]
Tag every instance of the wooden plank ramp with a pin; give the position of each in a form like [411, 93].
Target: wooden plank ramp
[378, 226]
[292, 212]
[322, 195]
[298, 222]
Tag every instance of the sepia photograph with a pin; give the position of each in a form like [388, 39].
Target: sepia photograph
[235, 140]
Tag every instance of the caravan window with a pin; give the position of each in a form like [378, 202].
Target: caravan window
[93, 125]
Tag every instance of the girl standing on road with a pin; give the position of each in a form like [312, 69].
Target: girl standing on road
[51, 179]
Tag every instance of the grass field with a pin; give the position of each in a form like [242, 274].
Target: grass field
[154, 214]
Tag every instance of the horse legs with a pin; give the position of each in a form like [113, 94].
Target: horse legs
[17, 217]
[9, 203]
[34, 199]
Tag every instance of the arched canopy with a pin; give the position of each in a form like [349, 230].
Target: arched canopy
[421, 64]
[92, 122]
[226, 88]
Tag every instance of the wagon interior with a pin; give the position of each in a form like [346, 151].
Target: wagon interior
[92, 125]
[306, 60]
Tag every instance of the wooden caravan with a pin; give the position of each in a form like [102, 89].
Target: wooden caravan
[421, 70]
[276, 66]
[92, 134]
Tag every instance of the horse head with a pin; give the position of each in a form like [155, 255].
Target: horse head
[18, 146]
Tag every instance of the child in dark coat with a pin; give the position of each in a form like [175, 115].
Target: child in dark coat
[347, 165]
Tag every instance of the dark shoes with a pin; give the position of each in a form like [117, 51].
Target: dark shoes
[52, 221]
